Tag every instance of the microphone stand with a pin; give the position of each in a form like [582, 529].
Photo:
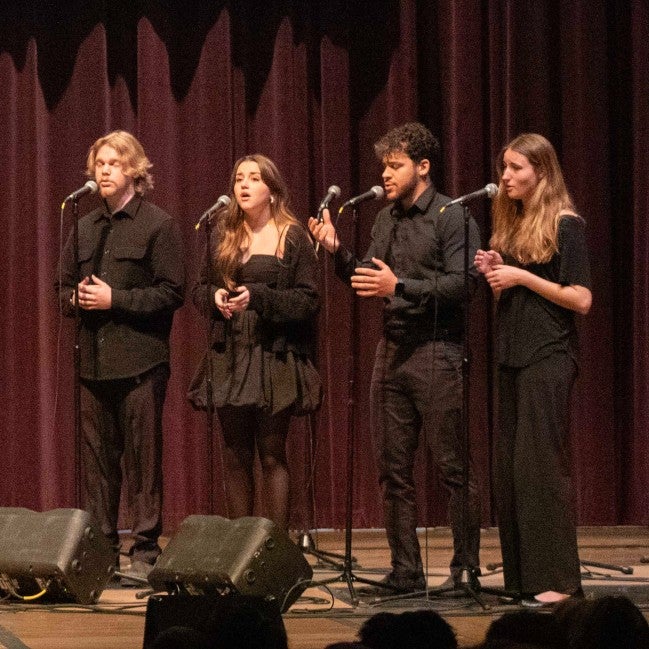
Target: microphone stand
[347, 575]
[305, 539]
[469, 583]
[77, 354]
[209, 394]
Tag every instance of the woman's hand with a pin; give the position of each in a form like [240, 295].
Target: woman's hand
[502, 276]
[221, 301]
[238, 299]
[486, 260]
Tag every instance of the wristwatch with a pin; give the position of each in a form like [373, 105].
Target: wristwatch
[399, 288]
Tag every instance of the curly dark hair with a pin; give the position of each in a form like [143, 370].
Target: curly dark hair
[413, 139]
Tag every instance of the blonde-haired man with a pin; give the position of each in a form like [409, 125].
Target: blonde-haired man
[132, 270]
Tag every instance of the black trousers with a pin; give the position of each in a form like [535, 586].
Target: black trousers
[418, 389]
[534, 503]
[121, 420]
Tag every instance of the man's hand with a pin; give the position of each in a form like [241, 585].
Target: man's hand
[94, 297]
[324, 231]
[369, 282]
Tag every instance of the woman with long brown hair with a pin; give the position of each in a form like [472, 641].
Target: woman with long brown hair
[538, 270]
[261, 294]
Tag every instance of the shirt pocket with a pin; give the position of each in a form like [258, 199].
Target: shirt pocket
[125, 253]
[130, 267]
[85, 253]
[86, 258]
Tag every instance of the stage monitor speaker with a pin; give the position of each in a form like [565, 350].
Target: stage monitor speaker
[249, 556]
[54, 556]
[227, 620]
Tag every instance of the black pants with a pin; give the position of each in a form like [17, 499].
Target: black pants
[122, 420]
[536, 516]
[418, 388]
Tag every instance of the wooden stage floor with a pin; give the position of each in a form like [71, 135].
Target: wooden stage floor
[324, 614]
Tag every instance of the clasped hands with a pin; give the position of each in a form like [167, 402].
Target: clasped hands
[498, 275]
[93, 296]
[230, 302]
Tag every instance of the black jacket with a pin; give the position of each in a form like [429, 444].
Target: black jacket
[287, 310]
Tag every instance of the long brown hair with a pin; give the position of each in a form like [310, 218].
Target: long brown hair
[530, 235]
[233, 235]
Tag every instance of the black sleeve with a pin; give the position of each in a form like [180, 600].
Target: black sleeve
[65, 280]
[573, 251]
[204, 288]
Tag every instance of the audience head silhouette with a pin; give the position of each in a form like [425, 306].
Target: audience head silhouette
[519, 629]
[235, 623]
[423, 629]
[610, 622]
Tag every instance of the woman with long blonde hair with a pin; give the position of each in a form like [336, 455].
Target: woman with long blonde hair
[261, 294]
[538, 270]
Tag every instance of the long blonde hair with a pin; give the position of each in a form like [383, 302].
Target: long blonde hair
[531, 235]
[132, 155]
[233, 235]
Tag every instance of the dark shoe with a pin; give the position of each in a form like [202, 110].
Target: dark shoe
[391, 585]
[531, 602]
[454, 582]
[137, 575]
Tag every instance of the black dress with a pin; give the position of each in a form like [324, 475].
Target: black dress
[246, 374]
[260, 357]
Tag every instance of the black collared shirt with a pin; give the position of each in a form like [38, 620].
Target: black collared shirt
[425, 250]
[138, 252]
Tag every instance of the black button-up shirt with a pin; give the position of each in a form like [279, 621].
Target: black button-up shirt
[138, 253]
[425, 250]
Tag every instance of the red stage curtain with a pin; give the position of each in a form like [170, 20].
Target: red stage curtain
[313, 85]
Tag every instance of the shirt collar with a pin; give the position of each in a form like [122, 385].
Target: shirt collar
[421, 205]
[130, 209]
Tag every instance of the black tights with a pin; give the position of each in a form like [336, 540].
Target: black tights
[245, 429]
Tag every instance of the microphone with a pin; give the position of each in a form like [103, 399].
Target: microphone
[332, 192]
[375, 192]
[89, 188]
[223, 201]
[489, 190]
